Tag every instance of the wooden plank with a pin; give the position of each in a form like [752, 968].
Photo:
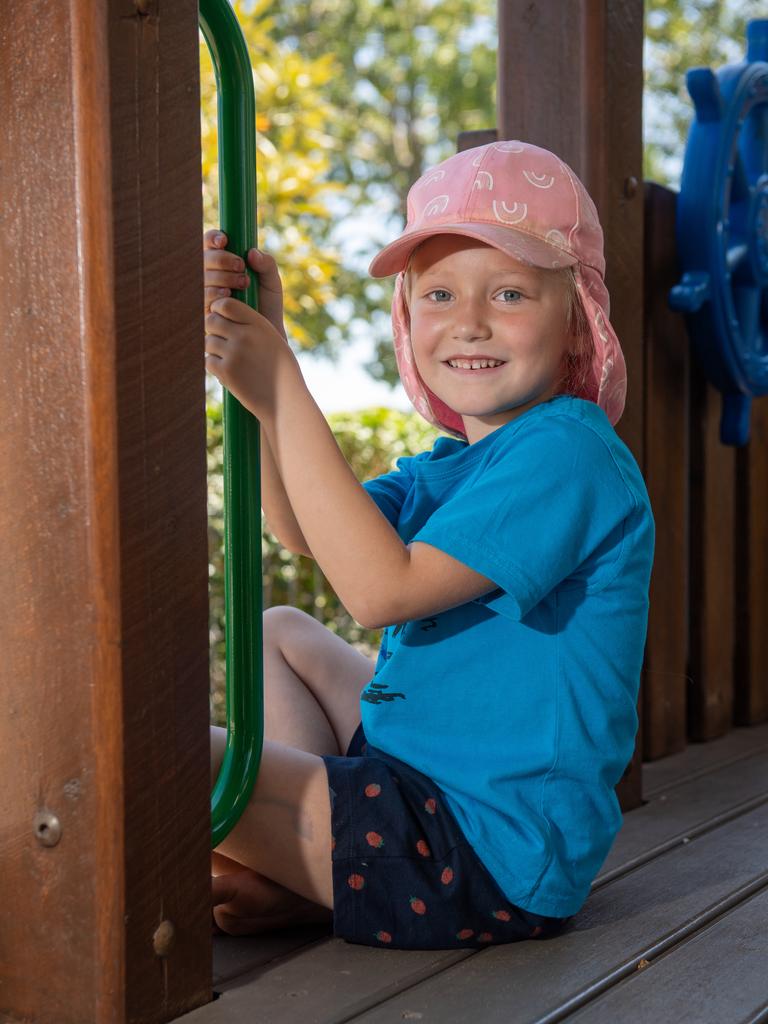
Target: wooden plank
[685, 811]
[667, 370]
[751, 554]
[102, 458]
[328, 982]
[639, 916]
[704, 758]
[712, 579]
[689, 982]
[570, 78]
[154, 62]
[59, 620]
[234, 956]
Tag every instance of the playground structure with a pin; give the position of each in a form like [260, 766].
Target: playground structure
[104, 798]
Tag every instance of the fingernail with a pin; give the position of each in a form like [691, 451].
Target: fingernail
[220, 239]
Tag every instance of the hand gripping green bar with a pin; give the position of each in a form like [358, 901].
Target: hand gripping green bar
[242, 491]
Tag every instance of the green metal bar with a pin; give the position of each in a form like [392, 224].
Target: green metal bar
[242, 491]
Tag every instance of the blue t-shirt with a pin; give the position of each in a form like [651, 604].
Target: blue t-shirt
[521, 704]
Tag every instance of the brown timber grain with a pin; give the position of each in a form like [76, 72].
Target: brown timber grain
[666, 681]
[102, 509]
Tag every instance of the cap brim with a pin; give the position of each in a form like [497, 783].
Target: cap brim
[518, 244]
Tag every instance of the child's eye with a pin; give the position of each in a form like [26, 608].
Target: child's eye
[441, 293]
[510, 295]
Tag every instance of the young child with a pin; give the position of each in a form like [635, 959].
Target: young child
[509, 565]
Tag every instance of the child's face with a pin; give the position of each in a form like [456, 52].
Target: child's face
[471, 300]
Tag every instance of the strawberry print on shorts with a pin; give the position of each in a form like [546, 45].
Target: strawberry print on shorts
[404, 875]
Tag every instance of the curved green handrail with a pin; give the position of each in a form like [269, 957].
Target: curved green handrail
[242, 491]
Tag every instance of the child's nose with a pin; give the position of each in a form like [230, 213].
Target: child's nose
[470, 321]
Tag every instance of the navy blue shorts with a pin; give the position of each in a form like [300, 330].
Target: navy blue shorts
[404, 875]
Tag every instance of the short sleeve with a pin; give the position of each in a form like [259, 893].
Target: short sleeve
[390, 490]
[547, 499]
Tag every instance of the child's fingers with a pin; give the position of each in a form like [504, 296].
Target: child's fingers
[266, 267]
[214, 239]
[224, 270]
[224, 279]
[211, 294]
[222, 260]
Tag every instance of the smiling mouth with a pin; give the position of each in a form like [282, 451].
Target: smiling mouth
[476, 370]
[474, 365]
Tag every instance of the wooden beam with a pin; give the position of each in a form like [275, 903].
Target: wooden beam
[571, 79]
[104, 774]
[751, 552]
[667, 402]
[712, 572]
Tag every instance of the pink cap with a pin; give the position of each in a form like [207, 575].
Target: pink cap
[525, 201]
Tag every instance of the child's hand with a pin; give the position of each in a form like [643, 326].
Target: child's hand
[223, 272]
[248, 355]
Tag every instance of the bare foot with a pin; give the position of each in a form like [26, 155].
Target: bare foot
[246, 903]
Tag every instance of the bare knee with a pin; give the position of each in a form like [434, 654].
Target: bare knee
[292, 713]
[283, 625]
[308, 667]
[285, 633]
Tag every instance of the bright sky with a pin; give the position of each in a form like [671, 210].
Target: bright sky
[345, 386]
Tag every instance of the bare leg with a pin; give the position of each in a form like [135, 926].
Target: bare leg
[277, 868]
[284, 832]
[312, 683]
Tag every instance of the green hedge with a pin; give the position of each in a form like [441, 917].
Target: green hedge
[371, 441]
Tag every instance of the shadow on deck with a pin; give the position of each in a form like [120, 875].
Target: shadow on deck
[675, 929]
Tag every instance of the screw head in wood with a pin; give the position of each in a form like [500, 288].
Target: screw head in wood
[47, 828]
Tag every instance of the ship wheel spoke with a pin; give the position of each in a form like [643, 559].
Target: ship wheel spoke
[740, 188]
[761, 135]
[737, 258]
[747, 301]
[755, 141]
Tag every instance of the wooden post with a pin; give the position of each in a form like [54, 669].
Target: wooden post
[667, 682]
[104, 772]
[712, 570]
[751, 544]
[571, 79]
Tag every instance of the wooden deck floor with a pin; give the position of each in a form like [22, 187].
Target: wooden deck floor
[675, 930]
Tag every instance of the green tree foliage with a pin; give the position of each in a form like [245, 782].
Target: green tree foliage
[415, 72]
[371, 440]
[293, 170]
[679, 35]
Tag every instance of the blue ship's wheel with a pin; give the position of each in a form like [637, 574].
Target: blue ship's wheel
[722, 230]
